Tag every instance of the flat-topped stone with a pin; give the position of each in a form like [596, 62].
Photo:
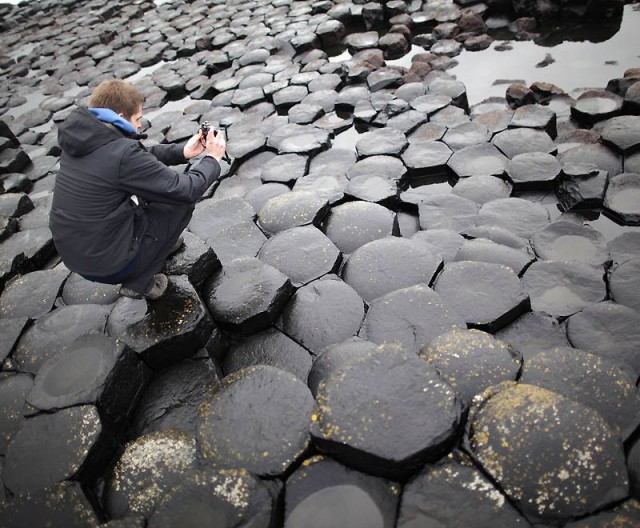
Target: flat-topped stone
[517, 215]
[565, 240]
[290, 210]
[622, 198]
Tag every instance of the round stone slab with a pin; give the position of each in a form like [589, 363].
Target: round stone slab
[426, 161]
[484, 250]
[411, 316]
[471, 360]
[533, 170]
[622, 199]
[33, 294]
[247, 295]
[447, 211]
[601, 156]
[454, 492]
[483, 159]
[563, 288]
[50, 448]
[55, 331]
[516, 141]
[325, 493]
[285, 168]
[14, 390]
[623, 283]
[292, 209]
[533, 332]
[322, 313]
[389, 264]
[488, 296]
[78, 290]
[149, 467]
[555, 458]
[334, 358]
[163, 333]
[608, 329]
[270, 347]
[443, 242]
[383, 141]
[258, 418]
[465, 135]
[220, 498]
[173, 398]
[353, 224]
[622, 132]
[625, 247]
[95, 370]
[596, 105]
[564, 240]
[387, 413]
[520, 216]
[596, 382]
[482, 189]
[302, 253]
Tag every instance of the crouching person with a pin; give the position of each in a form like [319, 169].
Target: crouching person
[118, 211]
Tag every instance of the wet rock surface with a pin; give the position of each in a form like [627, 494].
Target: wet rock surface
[370, 231]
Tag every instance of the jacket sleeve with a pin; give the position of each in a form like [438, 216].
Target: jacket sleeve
[142, 174]
[170, 154]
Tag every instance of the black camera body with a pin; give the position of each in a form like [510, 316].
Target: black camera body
[205, 126]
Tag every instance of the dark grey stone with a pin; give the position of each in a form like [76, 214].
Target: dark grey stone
[567, 241]
[426, 161]
[601, 156]
[285, 168]
[533, 170]
[438, 491]
[597, 382]
[483, 159]
[447, 211]
[581, 186]
[388, 264]
[596, 105]
[172, 399]
[410, 414]
[519, 216]
[78, 290]
[205, 496]
[557, 428]
[471, 360]
[247, 295]
[195, 259]
[259, 415]
[535, 116]
[95, 370]
[622, 133]
[516, 141]
[624, 247]
[482, 189]
[621, 198]
[32, 295]
[58, 444]
[622, 283]
[467, 287]
[484, 250]
[443, 242]
[322, 313]
[163, 333]
[292, 210]
[411, 316]
[270, 347]
[563, 288]
[353, 224]
[532, 333]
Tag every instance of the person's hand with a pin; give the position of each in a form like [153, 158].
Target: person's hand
[194, 146]
[216, 144]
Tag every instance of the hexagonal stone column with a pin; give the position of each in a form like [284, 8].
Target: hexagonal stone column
[581, 186]
[455, 491]
[93, 370]
[149, 467]
[533, 332]
[164, 332]
[257, 418]
[623, 283]
[563, 288]
[32, 295]
[382, 266]
[302, 253]
[533, 170]
[292, 210]
[322, 313]
[594, 381]
[50, 448]
[622, 199]
[471, 360]
[387, 413]
[220, 498]
[247, 295]
[555, 458]
[488, 296]
[520, 216]
[325, 493]
[353, 224]
[564, 240]
[172, 399]
[411, 316]
[14, 390]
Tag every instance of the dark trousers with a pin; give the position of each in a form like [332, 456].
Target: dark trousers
[166, 223]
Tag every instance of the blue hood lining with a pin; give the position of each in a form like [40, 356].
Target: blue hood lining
[106, 115]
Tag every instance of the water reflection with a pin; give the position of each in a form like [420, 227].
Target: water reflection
[577, 64]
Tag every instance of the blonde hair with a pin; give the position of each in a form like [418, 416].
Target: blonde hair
[119, 96]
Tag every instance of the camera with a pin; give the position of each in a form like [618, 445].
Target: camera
[206, 127]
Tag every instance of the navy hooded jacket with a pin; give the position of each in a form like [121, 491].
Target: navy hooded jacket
[96, 226]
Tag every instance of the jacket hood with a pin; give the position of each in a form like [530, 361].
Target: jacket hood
[82, 132]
